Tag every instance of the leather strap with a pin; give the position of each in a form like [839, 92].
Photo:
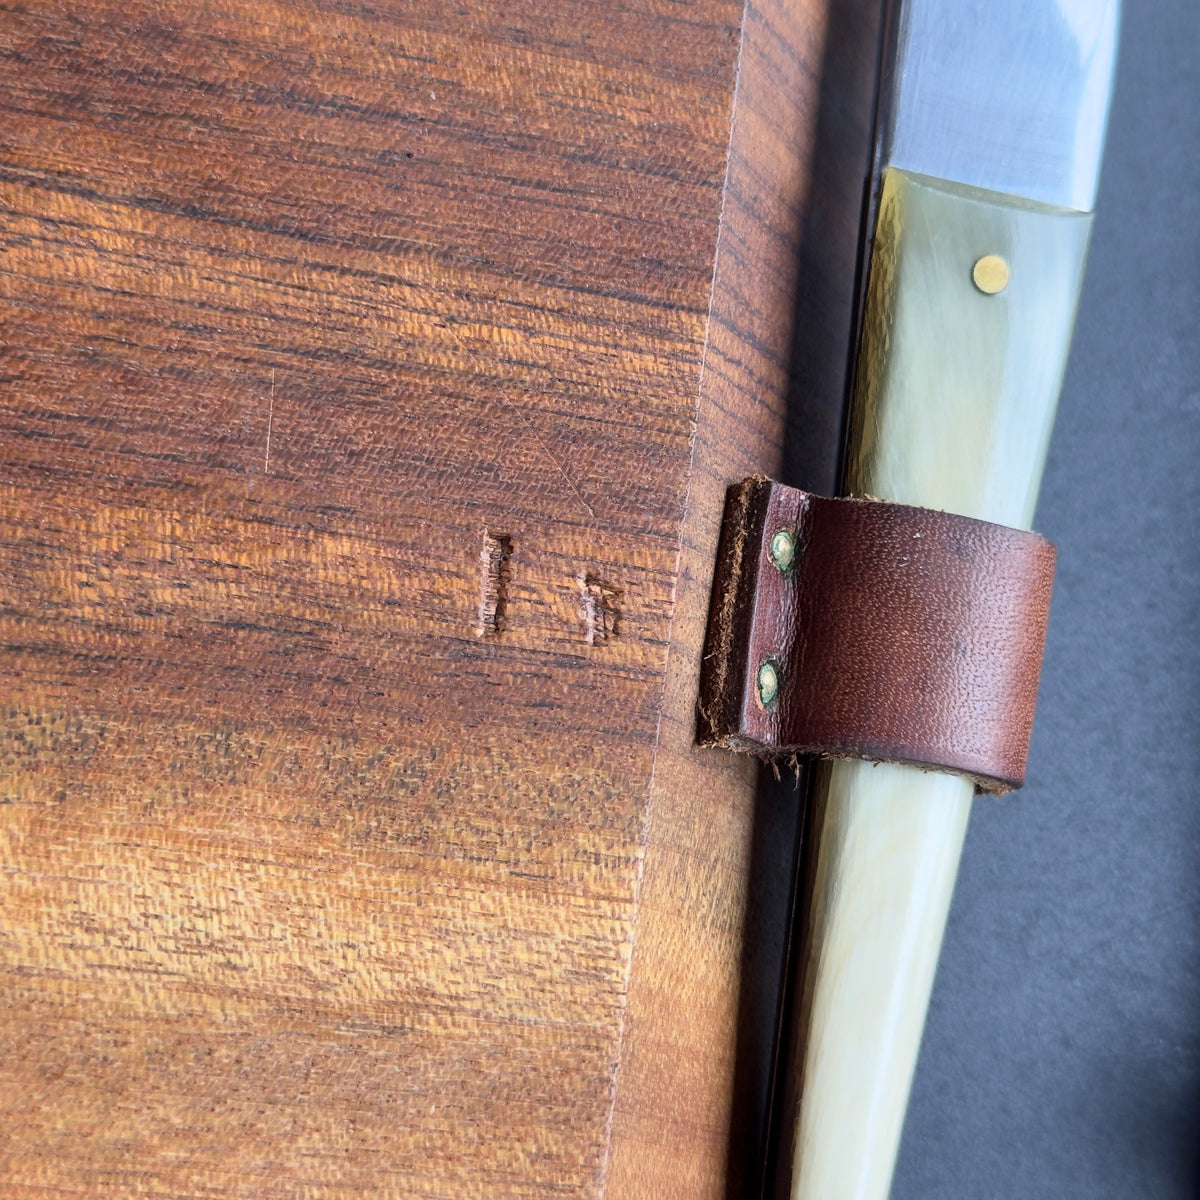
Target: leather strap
[889, 633]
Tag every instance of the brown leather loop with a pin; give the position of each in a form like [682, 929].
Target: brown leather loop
[895, 634]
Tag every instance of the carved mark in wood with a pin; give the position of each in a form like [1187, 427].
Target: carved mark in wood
[493, 583]
[599, 609]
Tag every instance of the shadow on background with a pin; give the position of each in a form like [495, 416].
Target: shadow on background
[826, 290]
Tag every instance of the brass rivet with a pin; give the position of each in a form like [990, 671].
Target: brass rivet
[990, 274]
[783, 549]
[768, 684]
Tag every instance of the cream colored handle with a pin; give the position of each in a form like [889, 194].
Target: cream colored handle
[889, 848]
[957, 384]
[957, 388]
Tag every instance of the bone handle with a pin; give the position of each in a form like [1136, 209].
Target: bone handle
[956, 390]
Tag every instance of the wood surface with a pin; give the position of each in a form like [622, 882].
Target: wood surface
[371, 378]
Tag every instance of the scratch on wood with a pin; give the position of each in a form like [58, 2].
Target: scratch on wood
[270, 423]
[448, 325]
[554, 461]
[600, 608]
[493, 583]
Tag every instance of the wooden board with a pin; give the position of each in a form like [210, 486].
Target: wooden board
[371, 378]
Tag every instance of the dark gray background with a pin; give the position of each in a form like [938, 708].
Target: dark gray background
[1062, 1052]
[1061, 1056]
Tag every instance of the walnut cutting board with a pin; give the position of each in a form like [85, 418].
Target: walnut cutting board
[372, 374]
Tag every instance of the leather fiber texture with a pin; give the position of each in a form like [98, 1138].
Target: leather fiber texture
[894, 633]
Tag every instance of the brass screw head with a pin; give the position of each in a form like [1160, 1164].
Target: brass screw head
[783, 549]
[768, 684]
[990, 274]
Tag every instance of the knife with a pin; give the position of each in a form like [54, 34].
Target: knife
[989, 139]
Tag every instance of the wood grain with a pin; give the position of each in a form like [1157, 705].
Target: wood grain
[678, 1068]
[309, 888]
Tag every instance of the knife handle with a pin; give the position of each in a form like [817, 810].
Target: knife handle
[956, 385]
[970, 302]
